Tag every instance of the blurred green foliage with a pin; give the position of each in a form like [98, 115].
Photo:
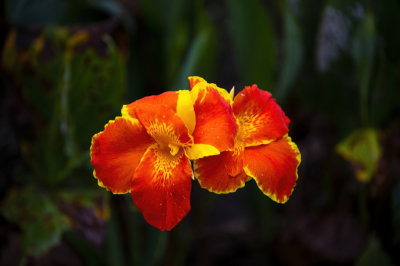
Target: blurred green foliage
[363, 150]
[373, 255]
[255, 45]
[334, 66]
[38, 216]
[72, 93]
[292, 50]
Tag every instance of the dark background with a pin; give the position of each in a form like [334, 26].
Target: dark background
[68, 66]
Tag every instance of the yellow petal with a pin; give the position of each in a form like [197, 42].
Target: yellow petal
[193, 80]
[197, 151]
[184, 109]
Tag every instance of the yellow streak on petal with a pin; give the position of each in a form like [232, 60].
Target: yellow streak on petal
[184, 109]
[163, 133]
[197, 151]
[164, 164]
[249, 123]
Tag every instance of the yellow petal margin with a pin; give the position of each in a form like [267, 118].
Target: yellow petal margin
[193, 80]
[224, 93]
[274, 167]
[203, 85]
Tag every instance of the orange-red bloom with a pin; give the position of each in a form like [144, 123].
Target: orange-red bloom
[148, 150]
[263, 150]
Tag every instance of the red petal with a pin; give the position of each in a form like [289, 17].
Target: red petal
[161, 188]
[274, 167]
[215, 124]
[163, 125]
[116, 152]
[168, 99]
[212, 174]
[233, 160]
[260, 118]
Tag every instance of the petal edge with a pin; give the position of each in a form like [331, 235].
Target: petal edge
[116, 151]
[161, 188]
[274, 167]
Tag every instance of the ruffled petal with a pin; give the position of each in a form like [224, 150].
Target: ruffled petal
[212, 173]
[274, 167]
[168, 99]
[202, 84]
[193, 80]
[215, 124]
[164, 126]
[261, 120]
[116, 152]
[161, 187]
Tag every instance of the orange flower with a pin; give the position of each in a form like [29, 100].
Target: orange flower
[263, 150]
[148, 150]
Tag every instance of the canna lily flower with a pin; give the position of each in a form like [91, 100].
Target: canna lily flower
[262, 151]
[147, 150]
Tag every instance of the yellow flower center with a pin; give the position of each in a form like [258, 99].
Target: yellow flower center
[166, 139]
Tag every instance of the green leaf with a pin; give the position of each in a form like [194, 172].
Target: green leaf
[155, 12]
[177, 44]
[114, 251]
[386, 13]
[254, 41]
[96, 95]
[135, 233]
[73, 93]
[373, 255]
[363, 150]
[177, 37]
[363, 49]
[156, 246]
[293, 53]
[201, 55]
[39, 218]
[115, 9]
[385, 94]
[396, 209]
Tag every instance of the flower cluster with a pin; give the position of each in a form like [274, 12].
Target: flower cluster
[148, 150]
